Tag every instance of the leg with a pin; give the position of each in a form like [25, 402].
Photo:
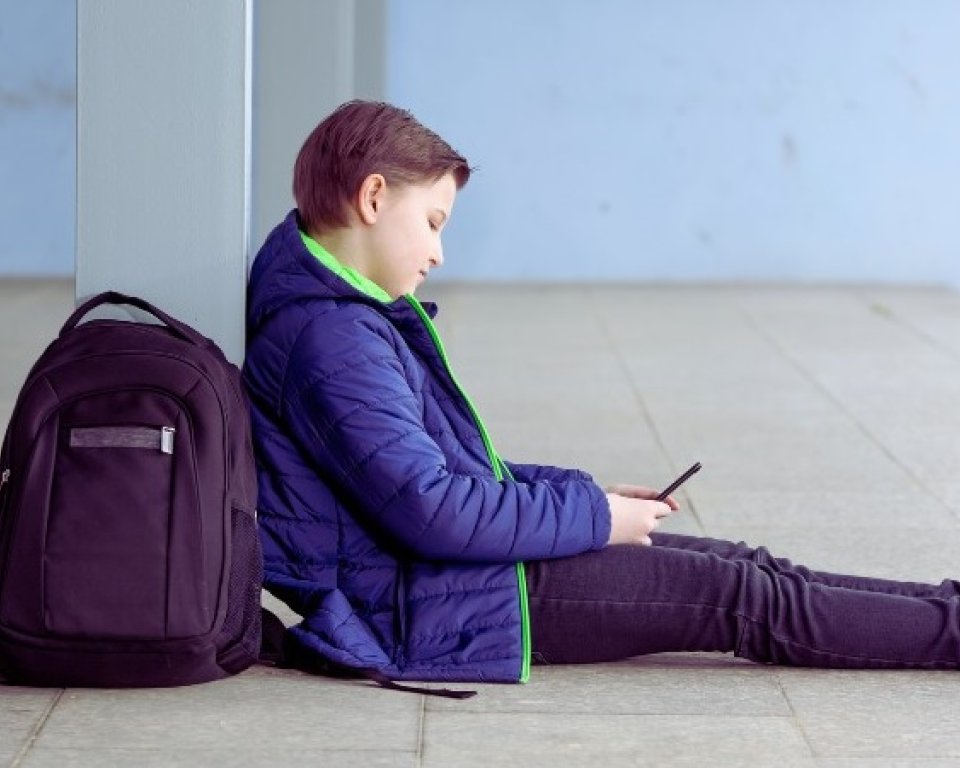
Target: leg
[729, 550]
[629, 600]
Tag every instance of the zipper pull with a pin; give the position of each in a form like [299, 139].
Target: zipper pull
[166, 439]
[4, 479]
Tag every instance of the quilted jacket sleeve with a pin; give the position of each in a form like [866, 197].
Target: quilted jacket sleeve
[350, 406]
[531, 473]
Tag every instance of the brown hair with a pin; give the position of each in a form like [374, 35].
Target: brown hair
[360, 138]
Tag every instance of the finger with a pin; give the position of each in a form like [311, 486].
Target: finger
[651, 494]
[634, 491]
[663, 510]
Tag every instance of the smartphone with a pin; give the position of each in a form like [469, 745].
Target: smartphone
[678, 482]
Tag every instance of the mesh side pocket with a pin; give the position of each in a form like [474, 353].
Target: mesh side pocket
[239, 642]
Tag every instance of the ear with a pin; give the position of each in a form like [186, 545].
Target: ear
[370, 198]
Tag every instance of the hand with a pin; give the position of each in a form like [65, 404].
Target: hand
[633, 518]
[641, 492]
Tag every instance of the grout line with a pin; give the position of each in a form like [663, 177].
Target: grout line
[638, 397]
[811, 378]
[877, 306]
[795, 717]
[580, 713]
[420, 728]
[35, 733]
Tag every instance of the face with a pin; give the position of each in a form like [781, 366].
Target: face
[404, 233]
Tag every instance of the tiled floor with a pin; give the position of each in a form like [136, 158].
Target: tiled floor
[828, 423]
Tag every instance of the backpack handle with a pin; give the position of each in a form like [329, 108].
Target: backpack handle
[112, 297]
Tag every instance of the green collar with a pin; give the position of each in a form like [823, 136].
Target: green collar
[363, 284]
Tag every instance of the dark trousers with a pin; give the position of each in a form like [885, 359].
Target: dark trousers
[688, 593]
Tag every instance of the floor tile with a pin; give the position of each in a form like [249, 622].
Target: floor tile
[474, 739]
[663, 684]
[821, 508]
[927, 554]
[44, 757]
[243, 712]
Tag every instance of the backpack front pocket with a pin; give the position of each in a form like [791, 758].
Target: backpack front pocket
[105, 558]
[122, 509]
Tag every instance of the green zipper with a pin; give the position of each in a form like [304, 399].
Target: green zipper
[499, 467]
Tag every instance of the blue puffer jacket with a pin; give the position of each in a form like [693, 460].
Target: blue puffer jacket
[388, 521]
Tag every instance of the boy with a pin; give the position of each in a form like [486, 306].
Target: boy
[409, 546]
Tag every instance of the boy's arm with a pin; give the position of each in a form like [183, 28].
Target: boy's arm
[531, 473]
[350, 407]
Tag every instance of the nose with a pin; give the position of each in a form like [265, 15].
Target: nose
[437, 258]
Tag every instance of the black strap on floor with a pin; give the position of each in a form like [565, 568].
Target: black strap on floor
[271, 639]
[393, 685]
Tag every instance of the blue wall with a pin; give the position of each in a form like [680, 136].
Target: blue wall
[693, 139]
[37, 136]
[662, 139]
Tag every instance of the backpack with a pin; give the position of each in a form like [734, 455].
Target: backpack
[129, 554]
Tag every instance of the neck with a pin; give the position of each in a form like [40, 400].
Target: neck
[343, 244]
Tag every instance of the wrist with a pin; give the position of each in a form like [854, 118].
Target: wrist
[602, 519]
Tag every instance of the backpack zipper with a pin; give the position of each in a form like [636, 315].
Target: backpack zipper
[119, 436]
[4, 479]
[6, 526]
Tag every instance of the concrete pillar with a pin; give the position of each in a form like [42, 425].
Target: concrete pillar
[189, 114]
[163, 156]
[309, 57]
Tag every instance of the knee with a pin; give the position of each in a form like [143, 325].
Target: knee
[761, 556]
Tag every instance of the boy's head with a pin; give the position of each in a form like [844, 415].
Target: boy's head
[358, 139]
